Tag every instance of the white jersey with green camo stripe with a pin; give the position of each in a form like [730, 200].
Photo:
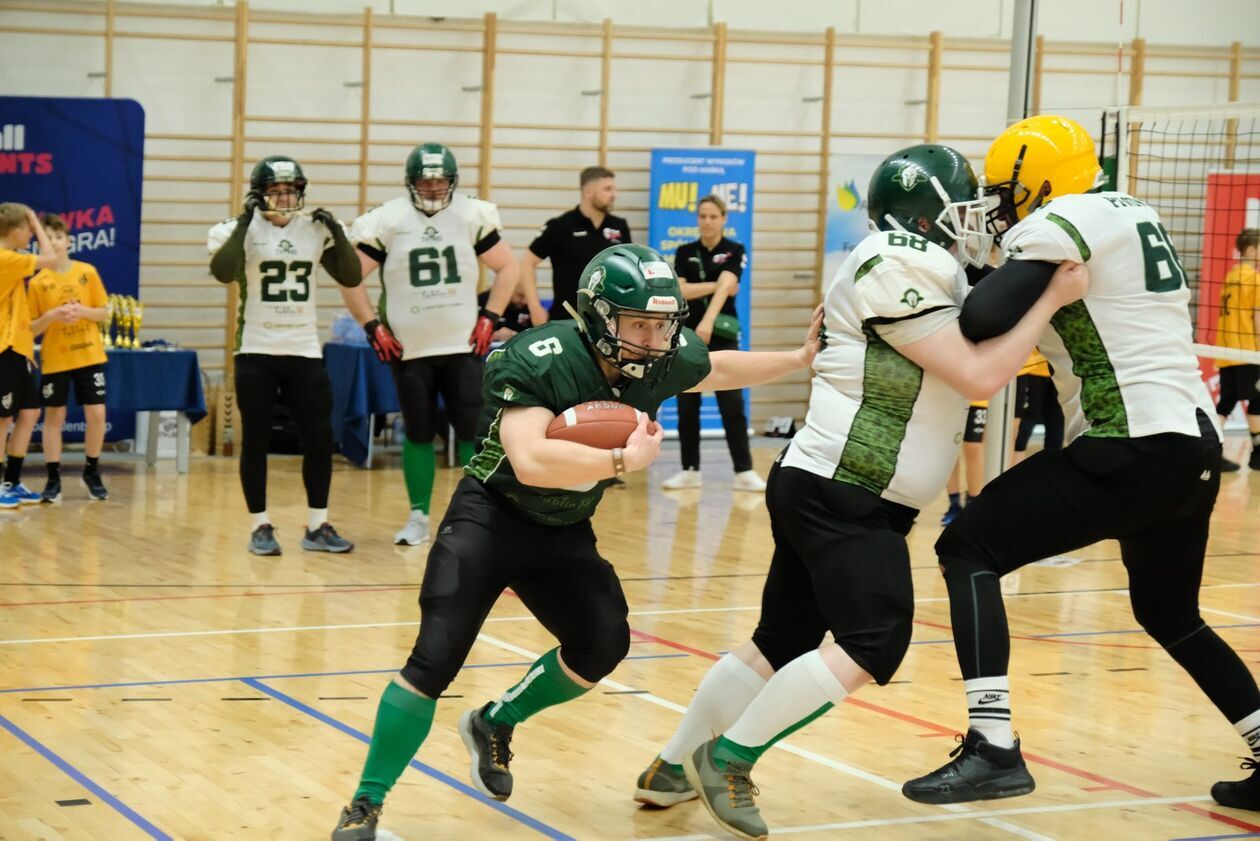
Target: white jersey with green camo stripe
[876, 419]
[430, 269]
[277, 314]
[1123, 358]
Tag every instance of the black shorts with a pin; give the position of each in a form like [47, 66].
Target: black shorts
[19, 384]
[482, 547]
[977, 420]
[457, 377]
[88, 382]
[1239, 383]
[840, 564]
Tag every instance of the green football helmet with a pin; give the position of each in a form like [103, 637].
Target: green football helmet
[427, 161]
[931, 191]
[278, 169]
[631, 280]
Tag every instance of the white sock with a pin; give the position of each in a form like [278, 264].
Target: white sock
[1249, 729]
[796, 693]
[259, 519]
[723, 695]
[989, 709]
[315, 518]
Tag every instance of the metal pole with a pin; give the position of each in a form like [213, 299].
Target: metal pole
[997, 439]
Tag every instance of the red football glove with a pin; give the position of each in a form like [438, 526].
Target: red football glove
[483, 333]
[382, 341]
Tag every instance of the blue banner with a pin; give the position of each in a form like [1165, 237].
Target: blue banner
[680, 178]
[82, 159]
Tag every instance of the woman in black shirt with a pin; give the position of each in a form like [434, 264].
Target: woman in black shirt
[709, 271]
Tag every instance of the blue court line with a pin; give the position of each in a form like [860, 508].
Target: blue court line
[1091, 634]
[445, 779]
[83, 780]
[175, 682]
[1219, 837]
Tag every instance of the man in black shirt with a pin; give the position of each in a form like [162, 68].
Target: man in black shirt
[571, 240]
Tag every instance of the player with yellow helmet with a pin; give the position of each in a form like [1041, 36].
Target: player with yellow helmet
[1143, 463]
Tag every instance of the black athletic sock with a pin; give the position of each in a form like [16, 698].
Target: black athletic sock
[13, 469]
[54, 470]
[90, 466]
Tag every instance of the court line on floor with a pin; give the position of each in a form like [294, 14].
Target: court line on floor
[788, 747]
[1055, 638]
[442, 777]
[84, 780]
[1104, 782]
[287, 676]
[963, 816]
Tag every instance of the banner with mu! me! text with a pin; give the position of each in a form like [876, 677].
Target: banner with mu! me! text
[679, 179]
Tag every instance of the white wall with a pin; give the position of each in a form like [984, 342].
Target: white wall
[651, 103]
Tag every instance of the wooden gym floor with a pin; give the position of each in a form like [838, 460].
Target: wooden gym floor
[157, 681]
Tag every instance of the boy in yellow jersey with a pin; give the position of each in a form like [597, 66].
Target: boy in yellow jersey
[19, 392]
[1036, 402]
[972, 458]
[67, 301]
[1238, 327]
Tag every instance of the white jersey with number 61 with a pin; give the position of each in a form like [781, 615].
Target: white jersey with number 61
[429, 269]
[1123, 359]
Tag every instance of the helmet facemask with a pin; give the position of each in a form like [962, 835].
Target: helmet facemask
[279, 173]
[432, 167]
[964, 223]
[1004, 200]
[608, 343]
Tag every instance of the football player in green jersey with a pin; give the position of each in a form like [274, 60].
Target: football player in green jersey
[520, 518]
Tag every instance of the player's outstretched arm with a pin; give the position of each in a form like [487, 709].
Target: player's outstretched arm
[734, 369]
[1003, 297]
[549, 463]
[977, 371]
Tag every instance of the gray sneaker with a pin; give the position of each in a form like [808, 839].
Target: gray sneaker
[727, 793]
[661, 785]
[325, 539]
[263, 541]
[358, 821]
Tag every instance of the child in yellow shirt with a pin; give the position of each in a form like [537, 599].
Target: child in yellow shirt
[67, 302]
[19, 390]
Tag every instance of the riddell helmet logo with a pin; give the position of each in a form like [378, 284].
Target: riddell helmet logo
[14, 159]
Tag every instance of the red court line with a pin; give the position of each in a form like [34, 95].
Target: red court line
[310, 592]
[1103, 782]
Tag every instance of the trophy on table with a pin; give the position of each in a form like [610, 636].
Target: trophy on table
[137, 315]
[107, 326]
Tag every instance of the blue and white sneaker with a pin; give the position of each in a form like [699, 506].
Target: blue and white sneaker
[23, 494]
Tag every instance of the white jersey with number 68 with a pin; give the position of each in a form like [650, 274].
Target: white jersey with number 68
[429, 269]
[1123, 359]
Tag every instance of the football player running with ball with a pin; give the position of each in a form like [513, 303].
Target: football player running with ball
[886, 412]
[1143, 465]
[429, 327]
[275, 253]
[521, 517]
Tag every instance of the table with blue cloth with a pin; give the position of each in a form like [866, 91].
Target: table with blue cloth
[154, 381]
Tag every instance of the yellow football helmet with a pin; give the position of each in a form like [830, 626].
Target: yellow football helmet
[1036, 160]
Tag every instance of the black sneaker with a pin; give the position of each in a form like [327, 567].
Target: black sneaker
[1242, 794]
[1254, 461]
[979, 771]
[95, 487]
[263, 541]
[489, 746]
[358, 821]
[52, 491]
[1228, 466]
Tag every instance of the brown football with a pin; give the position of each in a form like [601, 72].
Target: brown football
[599, 423]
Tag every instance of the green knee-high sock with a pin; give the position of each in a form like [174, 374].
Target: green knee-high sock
[466, 451]
[727, 751]
[419, 468]
[544, 685]
[403, 720]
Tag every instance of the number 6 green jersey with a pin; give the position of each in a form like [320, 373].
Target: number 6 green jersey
[429, 269]
[553, 367]
[1123, 359]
